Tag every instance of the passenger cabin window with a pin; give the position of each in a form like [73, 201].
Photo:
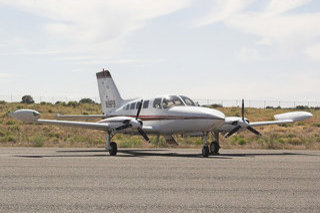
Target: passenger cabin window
[187, 101]
[145, 104]
[138, 105]
[171, 101]
[132, 106]
[157, 103]
[128, 106]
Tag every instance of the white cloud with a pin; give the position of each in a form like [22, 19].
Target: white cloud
[222, 10]
[277, 7]
[101, 60]
[248, 54]
[92, 26]
[4, 75]
[275, 24]
[30, 52]
[313, 52]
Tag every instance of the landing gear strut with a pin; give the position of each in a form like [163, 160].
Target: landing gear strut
[205, 147]
[111, 146]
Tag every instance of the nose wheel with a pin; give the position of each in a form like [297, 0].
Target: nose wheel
[214, 147]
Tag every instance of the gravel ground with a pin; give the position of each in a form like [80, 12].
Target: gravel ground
[158, 180]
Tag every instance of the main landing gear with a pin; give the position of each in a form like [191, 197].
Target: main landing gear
[214, 146]
[111, 146]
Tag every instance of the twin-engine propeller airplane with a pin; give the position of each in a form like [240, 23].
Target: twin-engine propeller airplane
[163, 115]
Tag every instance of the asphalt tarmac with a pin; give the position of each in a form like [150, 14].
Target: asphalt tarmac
[162, 180]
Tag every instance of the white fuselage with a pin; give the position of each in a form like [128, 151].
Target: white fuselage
[158, 118]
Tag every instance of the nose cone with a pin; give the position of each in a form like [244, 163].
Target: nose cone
[211, 113]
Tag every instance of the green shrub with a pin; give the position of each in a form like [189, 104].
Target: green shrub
[38, 140]
[8, 136]
[301, 107]
[316, 125]
[74, 104]
[215, 106]
[131, 143]
[2, 132]
[11, 122]
[242, 141]
[86, 101]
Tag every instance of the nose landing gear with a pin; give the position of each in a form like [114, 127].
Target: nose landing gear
[205, 147]
[214, 146]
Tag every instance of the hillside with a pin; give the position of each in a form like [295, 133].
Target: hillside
[301, 135]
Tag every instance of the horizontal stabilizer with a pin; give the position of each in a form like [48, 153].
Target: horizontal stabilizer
[59, 116]
[87, 125]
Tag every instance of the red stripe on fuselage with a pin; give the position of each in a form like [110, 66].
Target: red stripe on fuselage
[161, 117]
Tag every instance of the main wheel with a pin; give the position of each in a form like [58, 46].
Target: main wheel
[205, 151]
[214, 147]
[114, 149]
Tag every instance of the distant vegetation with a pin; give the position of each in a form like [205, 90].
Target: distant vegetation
[301, 135]
[27, 99]
[86, 101]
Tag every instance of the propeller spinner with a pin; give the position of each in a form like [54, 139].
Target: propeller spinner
[242, 124]
[128, 124]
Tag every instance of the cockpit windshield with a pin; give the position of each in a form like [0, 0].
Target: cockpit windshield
[171, 101]
[187, 100]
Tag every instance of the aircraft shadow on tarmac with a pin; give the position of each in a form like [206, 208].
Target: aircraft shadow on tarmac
[154, 152]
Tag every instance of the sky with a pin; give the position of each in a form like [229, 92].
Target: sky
[205, 49]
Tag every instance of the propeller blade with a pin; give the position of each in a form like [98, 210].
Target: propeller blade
[139, 109]
[253, 130]
[242, 110]
[234, 130]
[144, 135]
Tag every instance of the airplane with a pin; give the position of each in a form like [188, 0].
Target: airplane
[165, 115]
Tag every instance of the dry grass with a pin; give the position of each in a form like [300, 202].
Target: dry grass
[301, 135]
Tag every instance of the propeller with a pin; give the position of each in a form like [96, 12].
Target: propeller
[127, 124]
[242, 124]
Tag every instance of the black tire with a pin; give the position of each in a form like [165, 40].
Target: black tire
[114, 149]
[205, 151]
[214, 147]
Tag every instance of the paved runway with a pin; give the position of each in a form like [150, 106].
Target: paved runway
[179, 180]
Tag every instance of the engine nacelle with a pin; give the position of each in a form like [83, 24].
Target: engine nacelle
[26, 115]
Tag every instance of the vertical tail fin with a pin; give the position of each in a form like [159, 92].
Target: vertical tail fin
[108, 91]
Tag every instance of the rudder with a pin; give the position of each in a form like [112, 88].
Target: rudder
[108, 91]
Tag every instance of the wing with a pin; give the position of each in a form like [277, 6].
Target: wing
[284, 118]
[236, 124]
[264, 123]
[87, 125]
